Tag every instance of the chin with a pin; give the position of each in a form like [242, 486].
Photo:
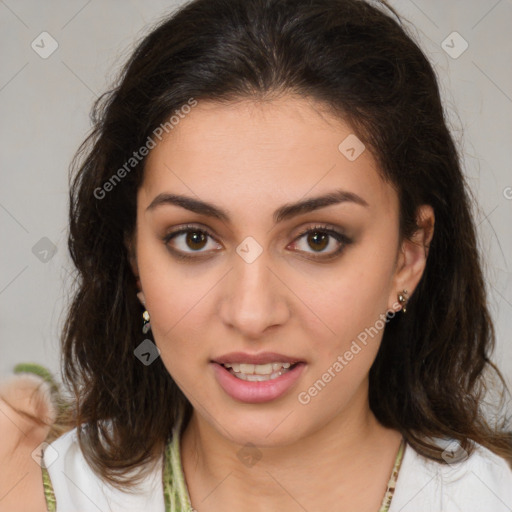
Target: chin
[261, 428]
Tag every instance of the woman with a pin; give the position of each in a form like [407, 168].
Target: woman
[281, 305]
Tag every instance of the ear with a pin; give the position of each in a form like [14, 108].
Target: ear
[129, 243]
[142, 299]
[413, 254]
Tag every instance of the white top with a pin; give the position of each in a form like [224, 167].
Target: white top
[78, 489]
[480, 483]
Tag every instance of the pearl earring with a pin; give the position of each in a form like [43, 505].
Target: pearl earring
[146, 326]
[403, 298]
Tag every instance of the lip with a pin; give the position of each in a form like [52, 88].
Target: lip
[261, 358]
[257, 392]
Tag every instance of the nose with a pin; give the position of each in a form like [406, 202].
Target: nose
[254, 298]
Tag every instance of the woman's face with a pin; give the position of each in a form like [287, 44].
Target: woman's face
[251, 282]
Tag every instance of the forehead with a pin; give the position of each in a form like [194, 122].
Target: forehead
[253, 153]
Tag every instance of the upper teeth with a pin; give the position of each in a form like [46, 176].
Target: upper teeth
[258, 369]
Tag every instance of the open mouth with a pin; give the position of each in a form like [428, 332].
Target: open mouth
[258, 372]
[257, 383]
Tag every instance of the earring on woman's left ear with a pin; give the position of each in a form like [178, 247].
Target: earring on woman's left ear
[403, 298]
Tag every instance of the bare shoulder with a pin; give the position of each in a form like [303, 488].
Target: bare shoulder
[22, 398]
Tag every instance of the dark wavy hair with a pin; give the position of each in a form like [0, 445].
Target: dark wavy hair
[428, 380]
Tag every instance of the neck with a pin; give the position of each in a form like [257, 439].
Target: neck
[340, 452]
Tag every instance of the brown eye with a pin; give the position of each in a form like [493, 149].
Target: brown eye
[319, 238]
[187, 240]
[195, 239]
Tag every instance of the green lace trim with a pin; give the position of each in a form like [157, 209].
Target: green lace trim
[176, 495]
[388, 496]
[51, 502]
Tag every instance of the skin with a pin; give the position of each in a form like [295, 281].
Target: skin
[250, 158]
[22, 401]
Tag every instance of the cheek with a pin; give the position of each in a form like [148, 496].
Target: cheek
[179, 298]
[355, 314]
[166, 294]
[352, 300]
[170, 288]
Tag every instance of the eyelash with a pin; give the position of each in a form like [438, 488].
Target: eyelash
[326, 229]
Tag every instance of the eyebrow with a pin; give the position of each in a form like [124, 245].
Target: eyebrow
[283, 213]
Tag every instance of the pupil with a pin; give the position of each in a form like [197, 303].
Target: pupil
[315, 236]
[195, 238]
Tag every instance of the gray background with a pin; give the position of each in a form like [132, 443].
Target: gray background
[44, 112]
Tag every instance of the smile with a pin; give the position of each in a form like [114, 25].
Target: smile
[257, 372]
[256, 383]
